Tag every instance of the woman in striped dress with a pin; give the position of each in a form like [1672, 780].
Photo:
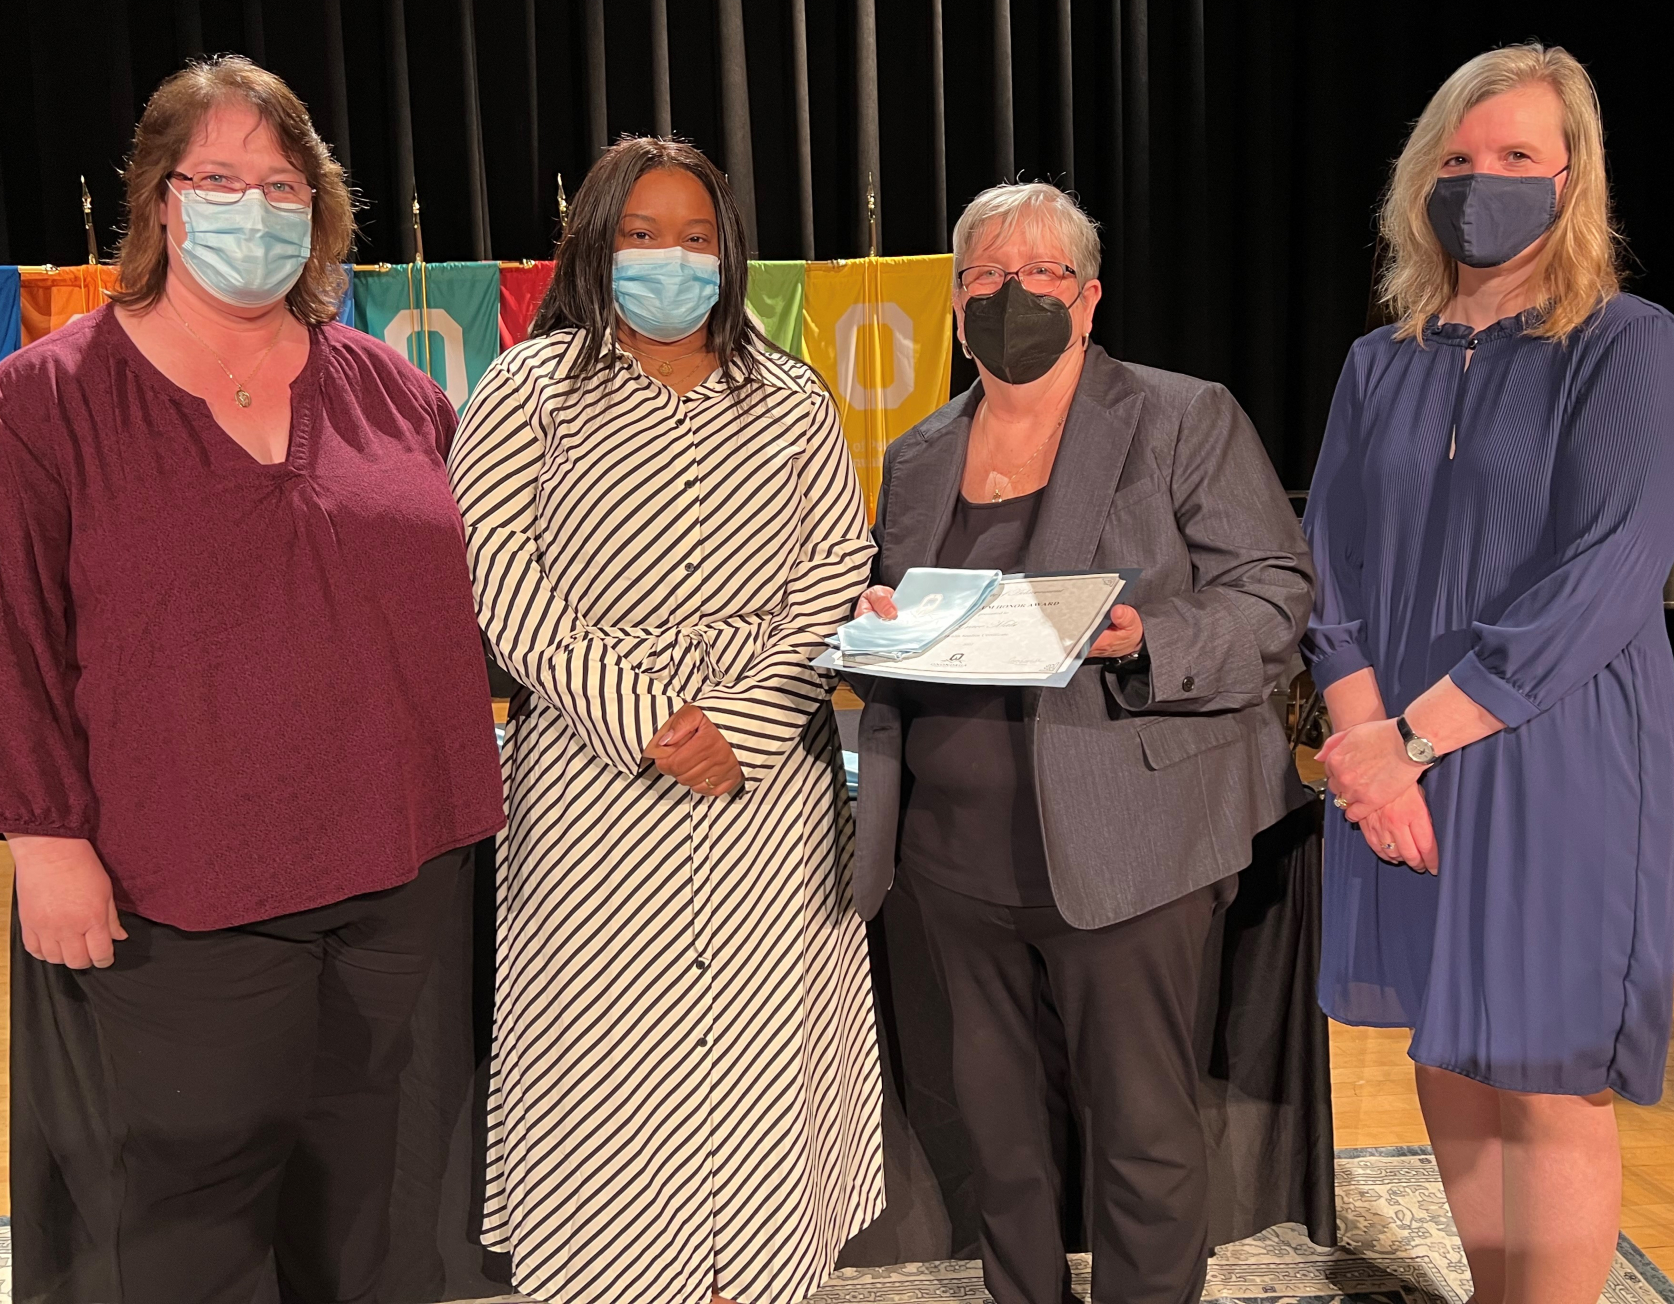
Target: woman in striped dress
[664, 525]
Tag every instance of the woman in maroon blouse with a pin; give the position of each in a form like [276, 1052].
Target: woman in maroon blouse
[247, 734]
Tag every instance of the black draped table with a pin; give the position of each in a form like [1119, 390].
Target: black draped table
[1265, 1083]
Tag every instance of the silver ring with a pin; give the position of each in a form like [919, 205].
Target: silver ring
[1389, 846]
[1340, 803]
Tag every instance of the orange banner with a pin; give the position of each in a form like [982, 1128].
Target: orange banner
[53, 299]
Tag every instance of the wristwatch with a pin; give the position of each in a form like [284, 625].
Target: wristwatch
[1419, 750]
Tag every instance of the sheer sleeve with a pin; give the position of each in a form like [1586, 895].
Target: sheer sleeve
[1335, 524]
[1612, 483]
[44, 786]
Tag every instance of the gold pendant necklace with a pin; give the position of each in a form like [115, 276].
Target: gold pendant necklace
[994, 470]
[665, 366]
[240, 392]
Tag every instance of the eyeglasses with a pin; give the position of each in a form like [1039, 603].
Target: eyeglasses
[219, 188]
[983, 279]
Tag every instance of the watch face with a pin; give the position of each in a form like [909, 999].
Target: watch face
[1420, 750]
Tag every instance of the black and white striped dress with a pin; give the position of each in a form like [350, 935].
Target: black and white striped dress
[685, 1093]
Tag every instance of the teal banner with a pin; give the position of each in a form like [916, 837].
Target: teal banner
[444, 318]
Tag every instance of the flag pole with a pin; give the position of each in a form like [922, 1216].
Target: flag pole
[424, 284]
[871, 218]
[563, 209]
[87, 223]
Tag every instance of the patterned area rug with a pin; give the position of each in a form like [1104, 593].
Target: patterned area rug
[1398, 1247]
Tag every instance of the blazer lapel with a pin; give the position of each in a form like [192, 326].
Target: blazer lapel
[922, 491]
[1094, 448]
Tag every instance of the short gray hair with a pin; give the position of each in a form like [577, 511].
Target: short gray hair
[1000, 210]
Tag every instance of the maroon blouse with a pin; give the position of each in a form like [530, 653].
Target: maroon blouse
[256, 689]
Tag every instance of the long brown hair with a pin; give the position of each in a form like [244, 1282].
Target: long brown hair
[172, 117]
[1577, 270]
[582, 295]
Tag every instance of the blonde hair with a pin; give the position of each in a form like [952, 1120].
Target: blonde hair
[171, 120]
[1005, 207]
[1576, 271]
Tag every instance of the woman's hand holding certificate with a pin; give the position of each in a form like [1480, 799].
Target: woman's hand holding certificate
[1024, 629]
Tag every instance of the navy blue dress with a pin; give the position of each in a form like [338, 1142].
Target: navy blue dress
[1511, 525]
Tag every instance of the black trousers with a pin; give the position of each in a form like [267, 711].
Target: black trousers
[254, 1079]
[1035, 1003]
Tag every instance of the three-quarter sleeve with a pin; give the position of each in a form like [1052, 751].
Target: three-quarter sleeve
[1612, 483]
[1335, 525]
[763, 711]
[1221, 646]
[44, 787]
[495, 466]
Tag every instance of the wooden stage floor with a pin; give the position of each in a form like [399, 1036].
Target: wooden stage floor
[1372, 1094]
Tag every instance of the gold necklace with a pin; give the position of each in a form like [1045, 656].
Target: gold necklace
[240, 392]
[665, 366]
[993, 469]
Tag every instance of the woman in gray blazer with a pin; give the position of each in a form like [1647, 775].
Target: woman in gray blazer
[1067, 848]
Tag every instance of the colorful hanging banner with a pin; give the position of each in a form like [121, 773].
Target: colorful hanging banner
[11, 311]
[522, 287]
[774, 299]
[880, 330]
[50, 300]
[346, 305]
[444, 318]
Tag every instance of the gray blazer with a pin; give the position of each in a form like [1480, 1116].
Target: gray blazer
[1150, 784]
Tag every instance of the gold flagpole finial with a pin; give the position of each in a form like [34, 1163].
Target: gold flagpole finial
[563, 208]
[87, 223]
[418, 233]
[871, 216]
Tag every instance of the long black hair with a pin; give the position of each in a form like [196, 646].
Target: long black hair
[582, 294]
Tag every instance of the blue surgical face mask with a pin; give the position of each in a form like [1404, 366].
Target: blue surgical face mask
[666, 294]
[1484, 219]
[247, 253]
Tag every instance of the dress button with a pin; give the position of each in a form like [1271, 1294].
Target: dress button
[1187, 684]
[702, 965]
[690, 567]
[690, 483]
[703, 1043]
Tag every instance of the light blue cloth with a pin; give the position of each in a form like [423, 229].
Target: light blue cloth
[930, 602]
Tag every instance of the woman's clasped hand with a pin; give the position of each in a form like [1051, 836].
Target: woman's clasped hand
[692, 751]
[1368, 768]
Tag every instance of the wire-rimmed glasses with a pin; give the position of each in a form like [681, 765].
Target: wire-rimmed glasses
[219, 188]
[1044, 277]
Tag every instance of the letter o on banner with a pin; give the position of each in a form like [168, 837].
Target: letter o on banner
[863, 317]
[409, 322]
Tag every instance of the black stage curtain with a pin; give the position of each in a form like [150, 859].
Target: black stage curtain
[1265, 1083]
[1232, 149]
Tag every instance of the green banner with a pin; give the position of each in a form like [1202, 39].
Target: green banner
[774, 298]
[444, 318]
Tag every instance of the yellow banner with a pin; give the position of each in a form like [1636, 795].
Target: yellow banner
[56, 298]
[880, 330]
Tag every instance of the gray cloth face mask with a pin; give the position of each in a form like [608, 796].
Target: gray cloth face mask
[1484, 219]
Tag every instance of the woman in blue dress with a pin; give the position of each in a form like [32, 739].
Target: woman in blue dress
[1493, 519]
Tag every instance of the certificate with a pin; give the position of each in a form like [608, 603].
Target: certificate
[1034, 630]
